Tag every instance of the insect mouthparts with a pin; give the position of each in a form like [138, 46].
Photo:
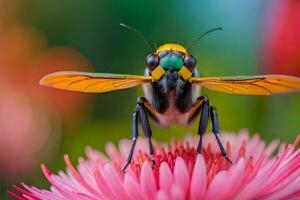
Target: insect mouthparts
[171, 69]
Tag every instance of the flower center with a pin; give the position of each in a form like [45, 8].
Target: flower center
[214, 161]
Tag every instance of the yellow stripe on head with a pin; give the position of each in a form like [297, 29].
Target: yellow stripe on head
[185, 73]
[171, 46]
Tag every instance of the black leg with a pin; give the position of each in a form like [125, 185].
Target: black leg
[135, 135]
[146, 127]
[140, 113]
[202, 106]
[151, 151]
[216, 131]
[203, 121]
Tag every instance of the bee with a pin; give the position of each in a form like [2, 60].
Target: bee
[171, 84]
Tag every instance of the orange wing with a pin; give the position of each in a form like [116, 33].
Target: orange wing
[92, 82]
[251, 85]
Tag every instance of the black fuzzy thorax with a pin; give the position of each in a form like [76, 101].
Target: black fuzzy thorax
[172, 91]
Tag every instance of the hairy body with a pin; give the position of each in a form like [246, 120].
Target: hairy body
[172, 98]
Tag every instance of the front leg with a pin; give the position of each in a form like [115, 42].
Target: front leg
[140, 113]
[146, 125]
[135, 135]
[203, 106]
[204, 109]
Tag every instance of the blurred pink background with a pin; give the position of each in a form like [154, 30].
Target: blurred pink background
[29, 114]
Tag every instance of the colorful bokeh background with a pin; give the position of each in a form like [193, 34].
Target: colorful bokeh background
[39, 125]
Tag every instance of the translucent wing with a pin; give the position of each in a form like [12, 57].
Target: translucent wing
[251, 85]
[92, 82]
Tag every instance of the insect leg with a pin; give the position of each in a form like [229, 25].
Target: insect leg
[146, 127]
[135, 135]
[204, 110]
[200, 106]
[216, 131]
[203, 122]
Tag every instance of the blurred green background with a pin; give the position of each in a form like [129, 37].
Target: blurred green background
[92, 28]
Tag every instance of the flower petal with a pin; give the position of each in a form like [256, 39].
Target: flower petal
[147, 181]
[181, 174]
[165, 177]
[177, 193]
[102, 185]
[113, 153]
[161, 195]
[133, 188]
[114, 182]
[89, 189]
[216, 185]
[235, 179]
[199, 179]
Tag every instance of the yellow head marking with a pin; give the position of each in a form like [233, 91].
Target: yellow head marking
[157, 73]
[185, 73]
[171, 46]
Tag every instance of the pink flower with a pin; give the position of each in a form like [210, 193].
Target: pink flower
[281, 38]
[179, 173]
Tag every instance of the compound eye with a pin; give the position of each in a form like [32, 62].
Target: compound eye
[152, 61]
[189, 62]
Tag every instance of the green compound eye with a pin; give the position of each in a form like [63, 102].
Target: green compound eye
[171, 60]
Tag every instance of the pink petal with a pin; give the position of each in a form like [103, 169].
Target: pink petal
[271, 147]
[113, 153]
[79, 178]
[161, 195]
[15, 196]
[87, 172]
[102, 185]
[285, 193]
[199, 179]
[181, 174]
[25, 193]
[177, 193]
[165, 177]
[216, 185]
[147, 181]
[133, 188]
[96, 157]
[43, 194]
[255, 147]
[62, 190]
[283, 174]
[235, 179]
[114, 182]
[124, 147]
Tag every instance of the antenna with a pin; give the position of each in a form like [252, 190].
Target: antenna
[155, 45]
[138, 33]
[203, 34]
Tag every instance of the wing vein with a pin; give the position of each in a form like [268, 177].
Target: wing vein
[77, 81]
